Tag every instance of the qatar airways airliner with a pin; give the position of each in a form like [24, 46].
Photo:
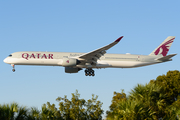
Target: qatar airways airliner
[74, 62]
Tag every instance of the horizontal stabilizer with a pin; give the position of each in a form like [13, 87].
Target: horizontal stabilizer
[166, 58]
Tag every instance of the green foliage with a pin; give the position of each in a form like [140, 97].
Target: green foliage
[50, 112]
[117, 98]
[80, 109]
[157, 99]
[74, 109]
[170, 84]
[13, 112]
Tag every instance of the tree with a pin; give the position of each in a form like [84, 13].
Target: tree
[34, 114]
[170, 84]
[117, 98]
[157, 99]
[80, 109]
[74, 109]
[13, 112]
[50, 112]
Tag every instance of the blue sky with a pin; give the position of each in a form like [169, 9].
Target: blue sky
[82, 26]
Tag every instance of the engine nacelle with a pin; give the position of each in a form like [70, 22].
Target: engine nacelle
[72, 70]
[67, 62]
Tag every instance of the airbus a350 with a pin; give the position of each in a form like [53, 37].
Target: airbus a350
[74, 62]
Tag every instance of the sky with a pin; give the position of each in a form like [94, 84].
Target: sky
[82, 26]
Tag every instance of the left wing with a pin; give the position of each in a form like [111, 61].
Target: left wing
[93, 56]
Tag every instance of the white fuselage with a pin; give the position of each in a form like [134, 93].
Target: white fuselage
[74, 62]
[56, 59]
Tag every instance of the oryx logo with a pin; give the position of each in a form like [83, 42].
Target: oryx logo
[164, 48]
[67, 61]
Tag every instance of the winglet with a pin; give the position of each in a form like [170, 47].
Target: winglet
[119, 39]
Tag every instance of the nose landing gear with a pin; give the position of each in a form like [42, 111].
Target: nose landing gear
[89, 72]
[13, 67]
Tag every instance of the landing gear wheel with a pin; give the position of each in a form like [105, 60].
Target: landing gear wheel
[89, 72]
[13, 70]
[86, 72]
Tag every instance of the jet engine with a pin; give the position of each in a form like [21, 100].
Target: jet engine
[72, 70]
[67, 62]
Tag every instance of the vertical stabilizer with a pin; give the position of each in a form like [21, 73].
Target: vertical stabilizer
[164, 47]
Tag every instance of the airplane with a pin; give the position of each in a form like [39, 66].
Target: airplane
[74, 62]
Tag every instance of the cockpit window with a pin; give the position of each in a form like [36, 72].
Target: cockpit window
[10, 55]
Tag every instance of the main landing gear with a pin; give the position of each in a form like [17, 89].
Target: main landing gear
[89, 72]
[13, 67]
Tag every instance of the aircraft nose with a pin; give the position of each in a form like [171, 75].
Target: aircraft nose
[5, 60]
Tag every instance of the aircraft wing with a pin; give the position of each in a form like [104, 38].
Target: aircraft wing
[93, 56]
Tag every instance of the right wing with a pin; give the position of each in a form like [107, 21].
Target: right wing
[93, 56]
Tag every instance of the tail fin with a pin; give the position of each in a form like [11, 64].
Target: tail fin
[164, 47]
